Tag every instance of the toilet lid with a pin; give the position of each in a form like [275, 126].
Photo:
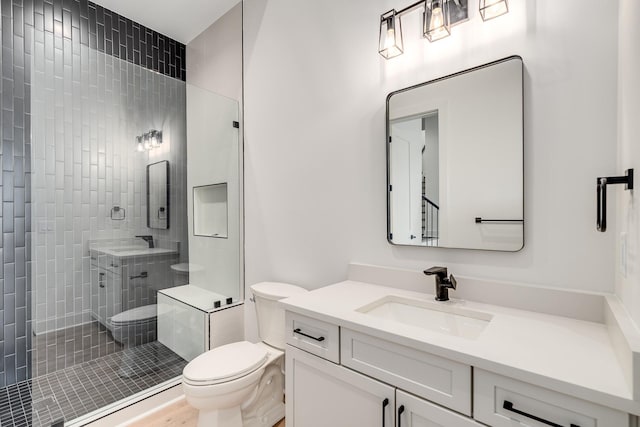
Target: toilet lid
[146, 312]
[225, 363]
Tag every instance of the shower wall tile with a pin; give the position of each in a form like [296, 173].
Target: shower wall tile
[62, 38]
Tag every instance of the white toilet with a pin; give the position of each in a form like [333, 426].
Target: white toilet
[135, 326]
[242, 384]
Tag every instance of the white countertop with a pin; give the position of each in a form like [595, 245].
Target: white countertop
[571, 356]
[133, 251]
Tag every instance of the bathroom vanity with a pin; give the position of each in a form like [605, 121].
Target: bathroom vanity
[361, 354]
[127, 276]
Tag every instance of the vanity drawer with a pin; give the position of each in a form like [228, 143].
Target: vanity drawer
[107, 262]
[312, 335]
[439, 380]
[494, 393]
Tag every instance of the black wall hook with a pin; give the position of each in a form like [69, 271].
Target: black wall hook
[601, 194]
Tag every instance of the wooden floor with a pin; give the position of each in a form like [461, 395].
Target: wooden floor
[180, 414]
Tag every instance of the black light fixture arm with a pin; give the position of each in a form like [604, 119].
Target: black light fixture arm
[601, 195]
[422, 3]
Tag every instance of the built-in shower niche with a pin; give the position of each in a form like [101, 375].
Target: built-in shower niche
[210, 211]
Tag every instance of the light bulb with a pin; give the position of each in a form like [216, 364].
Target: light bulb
[147, 143]
[140, 147]
[390, 41]
[436, 18]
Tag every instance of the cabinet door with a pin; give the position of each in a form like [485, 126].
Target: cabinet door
[322, 394]
[106, 294]
[412, 411]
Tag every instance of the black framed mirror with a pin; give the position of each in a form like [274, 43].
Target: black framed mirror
[455, 160]
[158, 195]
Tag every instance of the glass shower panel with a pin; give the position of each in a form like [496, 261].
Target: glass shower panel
[215, 184]
[96, 265]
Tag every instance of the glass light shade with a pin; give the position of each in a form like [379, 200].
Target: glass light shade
[139, 146]
[490, 9]
[436, 22]
[156, 139]
[390, 35]
[147, 141]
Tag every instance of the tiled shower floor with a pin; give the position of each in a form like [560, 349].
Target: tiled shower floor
[77, 390]
[67, 347]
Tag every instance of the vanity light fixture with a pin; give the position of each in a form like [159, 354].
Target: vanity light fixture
[437, 19]
[390, 35]
[149, 140]
[490, 9]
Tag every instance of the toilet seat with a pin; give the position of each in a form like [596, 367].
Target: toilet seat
[226, 363]
[137, 315]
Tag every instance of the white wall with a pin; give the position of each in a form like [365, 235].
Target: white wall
[315, 91]
[628, 207]
[214, 58]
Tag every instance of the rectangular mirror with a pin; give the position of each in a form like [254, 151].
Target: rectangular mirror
[455, 160]
[158, 195]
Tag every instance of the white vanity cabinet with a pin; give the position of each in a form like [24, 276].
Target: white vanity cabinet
[340, 377]
[321, 393]
[122, 282]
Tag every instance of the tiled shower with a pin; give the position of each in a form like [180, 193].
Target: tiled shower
[79, 83]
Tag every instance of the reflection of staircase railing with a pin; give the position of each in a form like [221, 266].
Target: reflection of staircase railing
[430, 221]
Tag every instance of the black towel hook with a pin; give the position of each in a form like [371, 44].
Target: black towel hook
[601, 194]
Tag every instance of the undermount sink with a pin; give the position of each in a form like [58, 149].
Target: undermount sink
[439, 317]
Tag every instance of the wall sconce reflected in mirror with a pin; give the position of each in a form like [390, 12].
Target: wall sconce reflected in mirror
[390, 44]
[148, 141]
[490, 9]
[437, 19]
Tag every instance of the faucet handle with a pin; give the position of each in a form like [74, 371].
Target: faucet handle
[453, 282]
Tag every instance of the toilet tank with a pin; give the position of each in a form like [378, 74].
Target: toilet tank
[270, 314]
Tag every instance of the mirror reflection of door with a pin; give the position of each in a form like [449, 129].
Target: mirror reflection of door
[415, 179]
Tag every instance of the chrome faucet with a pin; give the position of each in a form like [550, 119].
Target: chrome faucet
[148, 239]
[443, 283]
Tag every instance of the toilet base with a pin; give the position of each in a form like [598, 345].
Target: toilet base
[230, 417]
[267, 407]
